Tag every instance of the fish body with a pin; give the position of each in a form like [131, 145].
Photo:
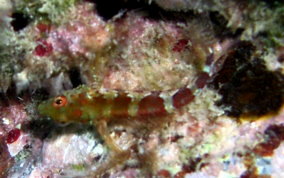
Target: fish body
[85, 104]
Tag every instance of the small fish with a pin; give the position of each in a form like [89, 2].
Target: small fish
[85, 104]
[99, 107]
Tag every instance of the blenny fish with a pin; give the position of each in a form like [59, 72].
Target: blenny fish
[85, 104]
[99, 107]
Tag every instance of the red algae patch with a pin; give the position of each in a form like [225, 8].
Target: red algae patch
[180, 45]
[163, 174]
[43, 28]
[43, 48]
[273, 135]
[13, 135]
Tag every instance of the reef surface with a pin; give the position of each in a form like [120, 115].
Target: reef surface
[232, 52]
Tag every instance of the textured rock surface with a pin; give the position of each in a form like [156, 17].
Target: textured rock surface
[229, 130]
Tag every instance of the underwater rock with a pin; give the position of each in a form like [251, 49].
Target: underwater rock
[211, 71]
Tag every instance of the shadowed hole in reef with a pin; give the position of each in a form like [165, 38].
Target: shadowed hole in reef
[40, 128]
[40, 94]
[109, 8]
[44, 128]
[273, 3]
[247, 88]
[220, 26]
[75, 77]
[19, 21]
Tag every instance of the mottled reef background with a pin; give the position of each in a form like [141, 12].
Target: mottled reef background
[233, 128]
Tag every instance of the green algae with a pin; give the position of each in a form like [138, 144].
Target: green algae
[44, 10]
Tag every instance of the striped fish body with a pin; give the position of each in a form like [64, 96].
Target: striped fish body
[85, 104]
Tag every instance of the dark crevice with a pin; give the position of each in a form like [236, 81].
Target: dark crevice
[281, 58]
[20, 21]
[9, 95]
[75, 77]
[40, 128]
[273, 3]
[247, 88]
[40, 94]
[219, 23]
[47, 128]
[109, 8]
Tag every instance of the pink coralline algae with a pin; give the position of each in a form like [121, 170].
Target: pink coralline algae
[84, 35]
[13, 114]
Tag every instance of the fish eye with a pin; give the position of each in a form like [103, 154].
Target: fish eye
[59, 101]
